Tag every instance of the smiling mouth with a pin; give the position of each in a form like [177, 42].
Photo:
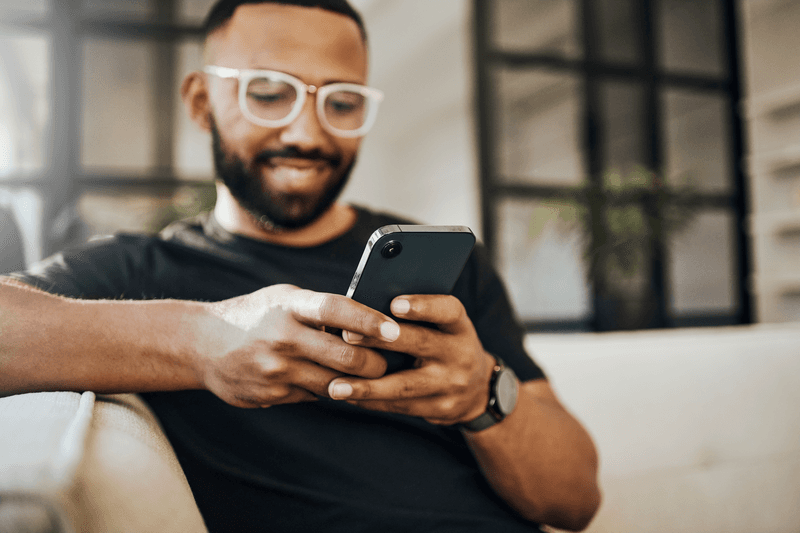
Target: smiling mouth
[298, 163]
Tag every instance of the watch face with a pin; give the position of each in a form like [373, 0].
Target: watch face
[506, 390]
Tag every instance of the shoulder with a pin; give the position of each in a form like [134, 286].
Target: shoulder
[95, 269]
[378, 218]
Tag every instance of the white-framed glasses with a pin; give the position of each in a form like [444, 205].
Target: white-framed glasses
[274, 99]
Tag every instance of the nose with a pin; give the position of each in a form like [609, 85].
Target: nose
[306, 132]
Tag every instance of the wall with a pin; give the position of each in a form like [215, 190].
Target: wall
[420, 158]
[772, 81]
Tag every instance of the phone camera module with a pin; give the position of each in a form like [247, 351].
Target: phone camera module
[391, 249]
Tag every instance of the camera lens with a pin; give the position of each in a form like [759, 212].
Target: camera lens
[391, 249]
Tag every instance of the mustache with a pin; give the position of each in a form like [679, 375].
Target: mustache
[291, 152]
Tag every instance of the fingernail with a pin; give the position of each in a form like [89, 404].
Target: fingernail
[401, 307]
[349, 336]
[341, 390]
[390, 331]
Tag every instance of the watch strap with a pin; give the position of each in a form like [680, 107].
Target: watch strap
[488, 418]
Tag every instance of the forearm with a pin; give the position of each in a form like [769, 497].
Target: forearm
[541, 461]
[52, 343]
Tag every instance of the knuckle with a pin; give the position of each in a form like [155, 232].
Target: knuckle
[408, 390]
[277, 392]
[364, 322]
[456, 307]
[448, 406]
[280, 346]
[324, 304]
[275, 367]
[460, 381]
[350, 358]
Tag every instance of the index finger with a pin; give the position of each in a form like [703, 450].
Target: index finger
[319, 309]
[402, 385]
[447, 312]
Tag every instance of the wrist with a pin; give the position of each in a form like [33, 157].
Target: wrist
[502, 394]
[487, 372]
[205, 340]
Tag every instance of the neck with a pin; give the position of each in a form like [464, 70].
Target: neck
[331, 224]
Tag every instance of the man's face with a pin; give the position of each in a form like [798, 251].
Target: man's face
[285, 177]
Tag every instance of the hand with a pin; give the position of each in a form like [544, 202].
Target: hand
[450, 382]
[267, 348]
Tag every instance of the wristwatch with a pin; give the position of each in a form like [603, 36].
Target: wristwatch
[503, 390]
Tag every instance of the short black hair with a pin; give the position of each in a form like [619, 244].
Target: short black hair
[223, 10]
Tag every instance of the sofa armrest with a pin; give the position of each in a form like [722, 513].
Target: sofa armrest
[81, 462]
[697, 429]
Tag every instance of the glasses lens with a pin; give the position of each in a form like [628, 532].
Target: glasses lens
[346, 110]
[270, 99]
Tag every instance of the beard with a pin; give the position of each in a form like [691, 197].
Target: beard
[274, 210]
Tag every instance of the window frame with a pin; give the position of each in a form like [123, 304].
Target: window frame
[63, 180]
[592, 71]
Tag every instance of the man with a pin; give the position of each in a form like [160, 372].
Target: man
[233, 307]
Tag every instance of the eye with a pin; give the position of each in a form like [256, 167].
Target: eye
[267, 91]
[267, 98]
[344, 102]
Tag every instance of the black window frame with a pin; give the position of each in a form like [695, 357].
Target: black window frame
[592, 69]
[63, 180]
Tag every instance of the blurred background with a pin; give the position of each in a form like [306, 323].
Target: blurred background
[630, 164]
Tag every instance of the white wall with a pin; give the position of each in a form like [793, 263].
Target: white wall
[420, 159]
[771, 44]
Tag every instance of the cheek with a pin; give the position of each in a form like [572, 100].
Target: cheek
[348, 148]
[242, 137]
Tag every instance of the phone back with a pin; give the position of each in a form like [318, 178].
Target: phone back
[408, 259]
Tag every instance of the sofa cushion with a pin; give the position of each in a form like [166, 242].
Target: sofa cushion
[87, 463]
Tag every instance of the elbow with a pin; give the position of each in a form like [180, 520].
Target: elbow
[580, 516]
[570, 510]
[575, 515]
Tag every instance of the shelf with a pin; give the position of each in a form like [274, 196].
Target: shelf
[783, 283]
[757, 8]
[776, 161]
[782, 222]
[776, 103]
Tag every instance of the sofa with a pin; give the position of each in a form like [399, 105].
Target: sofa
[698, 430]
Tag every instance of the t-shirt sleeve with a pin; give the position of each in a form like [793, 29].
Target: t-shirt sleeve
[486, 301]
[101, 269]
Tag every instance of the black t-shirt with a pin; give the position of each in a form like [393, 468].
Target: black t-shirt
[311, 467]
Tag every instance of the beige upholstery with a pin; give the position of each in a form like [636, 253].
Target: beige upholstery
[698, 430]
[72, 462]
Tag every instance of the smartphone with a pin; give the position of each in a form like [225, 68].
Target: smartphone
[409, 259]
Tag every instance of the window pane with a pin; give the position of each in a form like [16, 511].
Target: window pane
[191, 146]
[618, 29]
[691, 36]
[697, 140]
[125, 9]
[25, 205]
[24, 102]
[118, 104]
[541, 259]
[541, 26]
[107, 213]
[194, 11]
[702, 267]
[623, 135]
[539, 116]
[12, 8]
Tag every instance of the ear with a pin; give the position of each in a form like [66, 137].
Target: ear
[194, 93]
